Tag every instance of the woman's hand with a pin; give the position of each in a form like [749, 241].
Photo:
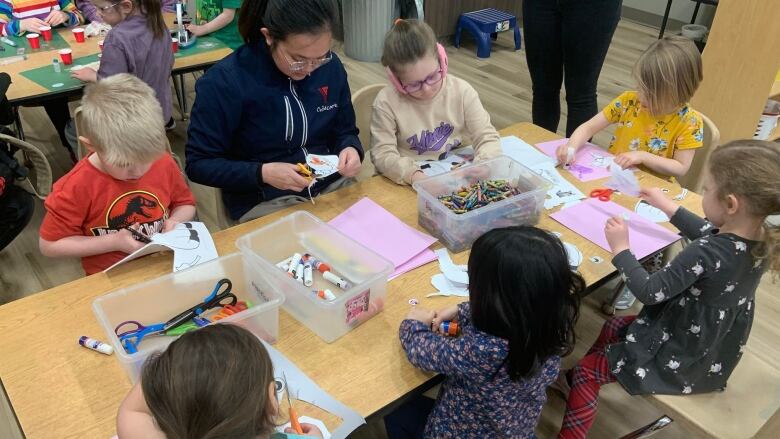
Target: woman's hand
[284, 176]
[349, 162]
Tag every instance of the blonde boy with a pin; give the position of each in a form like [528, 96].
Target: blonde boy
[128, 180]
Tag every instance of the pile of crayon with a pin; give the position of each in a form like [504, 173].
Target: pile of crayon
[479, 194]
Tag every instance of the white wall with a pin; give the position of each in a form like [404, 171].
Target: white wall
[682, 10]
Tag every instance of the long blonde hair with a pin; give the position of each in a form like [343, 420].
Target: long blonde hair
[750, 170]
[668, 74]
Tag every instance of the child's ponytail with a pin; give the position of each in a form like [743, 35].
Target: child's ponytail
[407, 42]
[285, 17]
[152, 10]
[750, 170]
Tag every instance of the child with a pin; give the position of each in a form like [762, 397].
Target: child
[92, 13]
[230, 394]
[18, 17]
[657, 129]
[219, 17]
[129, 179]
[425, 114]
[139, 43]
[698, 310]
[523, 305]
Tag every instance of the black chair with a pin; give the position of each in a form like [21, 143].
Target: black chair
[693, 18]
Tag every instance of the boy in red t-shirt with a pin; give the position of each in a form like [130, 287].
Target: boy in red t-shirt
[129, 179]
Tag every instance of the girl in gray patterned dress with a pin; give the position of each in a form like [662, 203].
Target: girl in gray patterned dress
[698, 310]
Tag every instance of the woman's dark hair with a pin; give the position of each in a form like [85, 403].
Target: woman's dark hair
[522, 290]
[152, 10]
[211, 383]
[285, 17]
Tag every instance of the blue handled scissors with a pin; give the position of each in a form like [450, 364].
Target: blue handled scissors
[135, 332]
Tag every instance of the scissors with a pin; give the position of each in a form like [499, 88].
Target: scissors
[305, 171]
[602, 194]
[135, 332]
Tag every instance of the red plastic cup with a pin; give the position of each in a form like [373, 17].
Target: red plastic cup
[79, 34]
[100, 45]
[67, 56]
[175, 44]
[46, 33]
[34, 40]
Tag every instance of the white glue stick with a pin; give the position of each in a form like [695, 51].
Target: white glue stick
[332, 278]
[570, 151]
[299, 272]
[95, 345]
[308, 278]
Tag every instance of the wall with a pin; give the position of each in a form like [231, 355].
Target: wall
[651, 12]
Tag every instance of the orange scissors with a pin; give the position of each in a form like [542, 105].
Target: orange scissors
[305, 171]
[602, 194]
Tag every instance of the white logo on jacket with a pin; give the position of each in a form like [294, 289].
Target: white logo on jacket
[323, 108]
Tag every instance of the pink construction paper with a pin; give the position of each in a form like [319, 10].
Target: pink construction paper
[583, 159]
[588, 218]
[371, 225]
[426, 256]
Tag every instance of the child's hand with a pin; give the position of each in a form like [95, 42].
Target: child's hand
[349, 162]
[616, 230]
[564, 156]
[169, 225]
[196, 29]
[308, 430]
[444, 314]
[56, 18]
[653, 196]
[31, 24]
[85, 74]
[422, 315]
[418, 175]
[125, 242]
[284, 176]
[629, 159]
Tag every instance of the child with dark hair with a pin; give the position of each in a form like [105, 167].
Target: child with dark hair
[519, 320]
[140, 44]
[216, 382]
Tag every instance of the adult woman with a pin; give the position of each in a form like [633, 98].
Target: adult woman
[567, 40]
[278, 98]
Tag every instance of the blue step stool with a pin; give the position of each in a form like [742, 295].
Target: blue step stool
[484, 26]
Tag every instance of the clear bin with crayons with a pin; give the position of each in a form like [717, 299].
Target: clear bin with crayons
[158, 300]
[461, 205]
[344, 285]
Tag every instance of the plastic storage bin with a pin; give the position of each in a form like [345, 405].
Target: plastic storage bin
[160, 299]
[302, 232]
[458, 231]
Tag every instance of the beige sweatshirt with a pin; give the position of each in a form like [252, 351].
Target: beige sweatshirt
[405, 131]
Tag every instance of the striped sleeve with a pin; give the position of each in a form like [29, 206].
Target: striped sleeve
[8, 25]
[76, 17]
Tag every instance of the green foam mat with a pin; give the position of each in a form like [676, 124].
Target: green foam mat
[202, 45]
[56, 43]
[53, 81]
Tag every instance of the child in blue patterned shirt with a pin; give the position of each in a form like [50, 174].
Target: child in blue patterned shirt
[519, 320]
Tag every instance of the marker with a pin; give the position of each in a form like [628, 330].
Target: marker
[449, 328]
[95, 345]
[139, 236]
[332, 278]
[324, 294]
[307, 274]
[299, 272]
[293, 264]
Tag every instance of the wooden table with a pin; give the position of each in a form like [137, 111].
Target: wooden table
[59, 389]
[26, 92]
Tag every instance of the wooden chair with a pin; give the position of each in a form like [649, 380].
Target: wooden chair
[224, 220]
[39, 166]
[748, 408]
[363, 102]
[693, 178]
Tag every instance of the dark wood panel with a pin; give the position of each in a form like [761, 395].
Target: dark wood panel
[442, 15]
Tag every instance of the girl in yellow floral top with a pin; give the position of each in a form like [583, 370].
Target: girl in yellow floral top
[657, 129]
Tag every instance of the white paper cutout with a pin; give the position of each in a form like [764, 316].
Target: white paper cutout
[323, 165]
[623, 180]
[454, 273]
[644, 209]
[304, 389]
[453, 160]
[190, 241]
[574, 254]
[524, 153]
[447, 288]
[562, 191]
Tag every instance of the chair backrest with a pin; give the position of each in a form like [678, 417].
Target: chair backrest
[693, 178]
[40, 165]
[362, 102]
[223, 218]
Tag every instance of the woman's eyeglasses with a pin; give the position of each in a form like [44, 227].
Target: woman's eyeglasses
[312, 64]
[431, 79]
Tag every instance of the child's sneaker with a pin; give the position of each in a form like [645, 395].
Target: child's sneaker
[625, 300]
